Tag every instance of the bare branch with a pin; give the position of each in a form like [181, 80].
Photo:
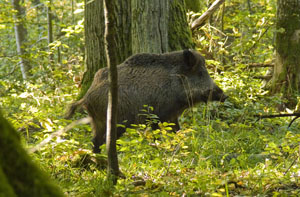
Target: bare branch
[200, 21]
[59, 133]
[293, 120]
[257, 41]
[266, 77]
[277, 115]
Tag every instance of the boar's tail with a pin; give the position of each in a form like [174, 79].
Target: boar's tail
[73, 107]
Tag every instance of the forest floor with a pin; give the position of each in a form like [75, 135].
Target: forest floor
[221, 150]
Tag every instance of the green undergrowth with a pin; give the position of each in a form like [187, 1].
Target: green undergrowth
[222, 148]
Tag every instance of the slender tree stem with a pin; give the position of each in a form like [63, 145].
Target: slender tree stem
[111, 53]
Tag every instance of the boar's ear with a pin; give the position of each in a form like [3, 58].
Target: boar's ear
[189, 58]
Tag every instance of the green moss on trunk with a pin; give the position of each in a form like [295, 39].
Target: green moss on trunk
[5, 188]
[18, 174]
[180, 35]
[286, 78]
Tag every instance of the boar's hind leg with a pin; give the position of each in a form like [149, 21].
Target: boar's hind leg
[175, 127]
[174, 120]
[120, 131]
[99, 130]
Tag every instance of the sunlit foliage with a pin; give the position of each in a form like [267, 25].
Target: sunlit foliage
[222, 149]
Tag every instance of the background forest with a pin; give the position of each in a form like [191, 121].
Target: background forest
[222, 149]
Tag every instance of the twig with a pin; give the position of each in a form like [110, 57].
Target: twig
[200, 21]
[293, 121]
[59, 133]
[258, 39]
[280, 115]
[277, 115]
[291, 166]
[172, 158]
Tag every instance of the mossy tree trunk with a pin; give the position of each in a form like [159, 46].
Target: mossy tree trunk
[179, 33]
[286, 77]
[19, 176]
[150, 26]
[50, 29]
[94, 38]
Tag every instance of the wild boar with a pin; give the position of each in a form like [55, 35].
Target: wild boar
[170, 83]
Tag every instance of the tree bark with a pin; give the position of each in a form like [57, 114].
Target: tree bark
[50, 29]
[286, 77]
[143, 26]
[154, 37]
[20, 34]
[94, 47]
[111, 58]
[179, 33]
[94, 38]
[19, 176]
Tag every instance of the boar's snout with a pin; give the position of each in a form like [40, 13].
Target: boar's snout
[217, 94]
[223, 97]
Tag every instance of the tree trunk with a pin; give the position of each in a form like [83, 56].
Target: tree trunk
[143, 26]
[179, 33]
[152, 38]
[111, 57]
[20, 33]
[50, 30]
[19, 176]
[286, 77]
[94, 38]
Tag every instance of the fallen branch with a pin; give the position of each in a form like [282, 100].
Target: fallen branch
[277, 115]
[200, 21]
[266, 77]
[255, 65]
[280, 115]
[59, 133]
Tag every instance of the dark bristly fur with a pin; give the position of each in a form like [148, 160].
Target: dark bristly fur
[170, 83]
